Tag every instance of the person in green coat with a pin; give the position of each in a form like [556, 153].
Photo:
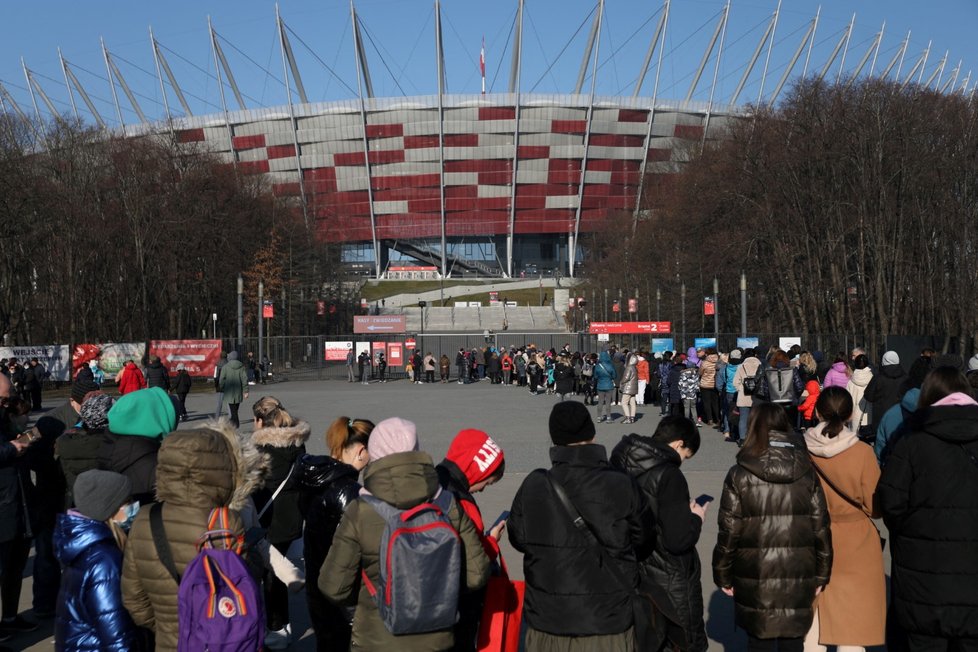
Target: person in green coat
[234, 384]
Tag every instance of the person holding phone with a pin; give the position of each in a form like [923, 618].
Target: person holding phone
[773, 554]
[673, 568]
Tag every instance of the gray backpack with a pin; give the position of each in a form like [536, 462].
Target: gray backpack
[420, 567]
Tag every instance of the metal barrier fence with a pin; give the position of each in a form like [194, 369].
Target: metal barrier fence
[302, 357]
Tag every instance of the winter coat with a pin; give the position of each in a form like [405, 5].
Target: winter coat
[689, 384]
[675, 375]
[929, 496]
[33, 377]
[604, 373]
[49, 482]
[183, 383]
[674, 565]
[893, 425]
[403, 480]
[134, 457]
[568, 590]
[642, 368]
[283, 446]
[157, 376]
[774, 546]
[729, 373]
[629, 379]
[564, 378]
[90, 614]
[862, 409]
[328, 487]
[132, 379]
[884, 391]
[77, 451]
[234, 381]
[807, 406]
[747, 369]
[708, 371]
[837, 376]
[12, 505]
[723, 376]
[198, 471]
[852, 608]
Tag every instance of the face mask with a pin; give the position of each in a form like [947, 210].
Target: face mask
[131, 510]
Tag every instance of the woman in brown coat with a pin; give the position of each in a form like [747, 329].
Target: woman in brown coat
[851, 611]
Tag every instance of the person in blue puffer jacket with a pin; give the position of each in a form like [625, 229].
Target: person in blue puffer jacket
[88, 541]
[605, 380]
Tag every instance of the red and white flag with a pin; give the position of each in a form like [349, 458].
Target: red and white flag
[482, 64]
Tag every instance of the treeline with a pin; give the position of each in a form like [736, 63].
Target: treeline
[127, 239]
[851, 208]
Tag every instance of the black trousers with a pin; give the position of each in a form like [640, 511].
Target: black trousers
[36, 399]
[233, 407]
[772, 644]
[922, 643]
[276, 596]
[13, 559]
[711, 404]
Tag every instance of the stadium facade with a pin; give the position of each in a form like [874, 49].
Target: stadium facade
[499, 184]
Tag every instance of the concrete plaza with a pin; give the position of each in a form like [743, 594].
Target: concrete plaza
[513, 417]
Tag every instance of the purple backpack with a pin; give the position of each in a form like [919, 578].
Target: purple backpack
[219, 603]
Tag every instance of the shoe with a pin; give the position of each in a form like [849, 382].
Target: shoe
[600, 419]
[18, 625]
[279, 639]
[4, 636]
[43, 614]
[699, 424]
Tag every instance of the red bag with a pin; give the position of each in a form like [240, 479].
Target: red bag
[499, 630]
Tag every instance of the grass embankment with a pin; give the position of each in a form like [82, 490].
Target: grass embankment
[376, 290]
[525, 297]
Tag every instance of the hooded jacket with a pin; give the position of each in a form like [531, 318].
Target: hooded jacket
[568, 590]
[836, 376]
[90, 615]
[862, 409]
[747, 369]
[629, 378]
[774, 546]
[138, 422]
[708, 371]
[157, 376]
[604, 373]
[233, 380]
[892, 425]
[132, 379]
[929, 495]
[283, 446]
[198, 471]
[403, 480]
[674, 565]
[884, 390]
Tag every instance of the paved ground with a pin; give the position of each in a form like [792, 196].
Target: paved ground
[517, 420]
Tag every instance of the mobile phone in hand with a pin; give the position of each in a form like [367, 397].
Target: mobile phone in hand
[703, 499]
[30, 436]
[499, 519]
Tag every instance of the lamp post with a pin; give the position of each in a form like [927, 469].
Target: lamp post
[261, 320]
[743, 305]
[682, 339]
[658, 302]
[421, 304]
[240, 313]
[716, 312]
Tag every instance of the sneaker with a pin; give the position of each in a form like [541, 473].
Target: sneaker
[18, 625]
[600, 419]
[699, 424]
[4, 636]
[279, 639]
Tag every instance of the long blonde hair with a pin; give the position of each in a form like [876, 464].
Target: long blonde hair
[271, 412]
[118, 534]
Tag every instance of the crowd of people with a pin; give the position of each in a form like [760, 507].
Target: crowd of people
[116, 499]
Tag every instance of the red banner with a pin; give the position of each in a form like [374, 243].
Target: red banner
[630, 327]
[268, 310]
[380, 324]
[199, 357]
[336, 351]
[395, 354]
[709, 306]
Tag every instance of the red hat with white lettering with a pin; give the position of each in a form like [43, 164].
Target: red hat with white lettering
[475, 454]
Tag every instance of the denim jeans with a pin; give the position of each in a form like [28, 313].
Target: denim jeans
[744, 414]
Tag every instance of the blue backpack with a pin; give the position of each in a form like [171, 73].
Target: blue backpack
[420, 567]
[219, 603]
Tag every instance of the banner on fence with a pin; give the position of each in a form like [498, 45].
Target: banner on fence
[662, 344]
[747, 342]
[336, 351]
[199, 357]
[705, 342]
[395, 354]
[377, 347]
[785, 343]
[361, 347]
[111, 355]
[380, 324]
[54, 357]
[630, 327]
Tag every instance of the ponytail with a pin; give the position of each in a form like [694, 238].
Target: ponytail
[834, 407]
[346, 432]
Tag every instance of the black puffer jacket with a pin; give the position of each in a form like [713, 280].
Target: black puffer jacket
[182, 383]
[674, 565]
[929, 496]
[884, 390]
[134, 457]
[568, 590]
[157, 376]
[283, 446]
[774, 546]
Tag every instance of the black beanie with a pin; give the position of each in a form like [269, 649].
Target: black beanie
[570, 423]
[81, 388]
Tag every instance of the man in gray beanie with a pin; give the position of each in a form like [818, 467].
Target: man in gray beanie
[569, 591]
[886, 388]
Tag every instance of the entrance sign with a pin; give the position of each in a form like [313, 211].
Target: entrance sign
[375, 324]
[630, 327]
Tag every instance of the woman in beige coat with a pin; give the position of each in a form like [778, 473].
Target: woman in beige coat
[851, 611]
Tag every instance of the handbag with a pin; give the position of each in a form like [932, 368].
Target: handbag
[852, 502]
[649, 621]
[502, 613]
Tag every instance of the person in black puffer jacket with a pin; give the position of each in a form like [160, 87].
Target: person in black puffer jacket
[673, 569]
[929, 496]
[181, 387]
[156, 374]
[887, 387]
[571, 598]
[283, 439]
[329, 484]
[774, 549]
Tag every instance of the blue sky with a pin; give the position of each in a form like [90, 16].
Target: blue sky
[400, 37]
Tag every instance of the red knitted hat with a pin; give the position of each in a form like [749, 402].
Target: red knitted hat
[476, 454]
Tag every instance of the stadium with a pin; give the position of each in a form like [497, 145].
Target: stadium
[489, 184]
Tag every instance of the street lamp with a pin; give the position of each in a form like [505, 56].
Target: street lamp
[421, 304]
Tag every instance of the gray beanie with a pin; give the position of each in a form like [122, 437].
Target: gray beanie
[890, 358]
[100, 494]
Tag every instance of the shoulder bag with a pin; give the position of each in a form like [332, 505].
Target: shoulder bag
[649, 622]
[851, 501]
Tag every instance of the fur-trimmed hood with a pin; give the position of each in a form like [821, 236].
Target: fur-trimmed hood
[294, 435]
